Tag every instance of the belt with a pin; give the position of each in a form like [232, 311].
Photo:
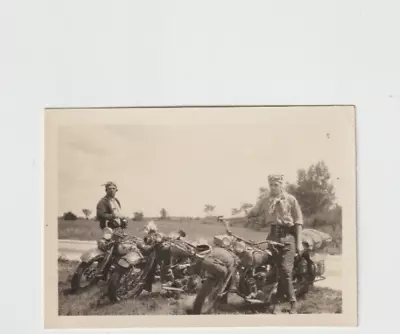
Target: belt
[280, 231]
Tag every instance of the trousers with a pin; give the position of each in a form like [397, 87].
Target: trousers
[164, 259]
[285, 261]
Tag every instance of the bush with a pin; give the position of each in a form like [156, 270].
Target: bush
[69, 216]
[138, 216]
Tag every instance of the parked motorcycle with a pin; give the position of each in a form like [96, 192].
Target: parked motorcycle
[249, 269]
[132, 275]
[97, 263]
[188, 275]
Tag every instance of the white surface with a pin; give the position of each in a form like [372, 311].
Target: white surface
[92, 53]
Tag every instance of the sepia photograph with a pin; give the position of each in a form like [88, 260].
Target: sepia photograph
[200, 216]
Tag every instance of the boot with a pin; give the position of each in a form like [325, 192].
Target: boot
[148, 287]
[274, 308]
[253, 292]
[168, 278]
[275, 305]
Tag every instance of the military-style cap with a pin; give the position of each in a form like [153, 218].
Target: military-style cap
[275, 178]
[110, 184]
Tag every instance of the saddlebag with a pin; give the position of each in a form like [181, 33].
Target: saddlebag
[315, 240]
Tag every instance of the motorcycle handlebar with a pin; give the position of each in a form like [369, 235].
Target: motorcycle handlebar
[229, 232]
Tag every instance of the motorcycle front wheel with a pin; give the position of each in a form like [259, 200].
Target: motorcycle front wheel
[125, 283]
[207, 299]
[85, 274]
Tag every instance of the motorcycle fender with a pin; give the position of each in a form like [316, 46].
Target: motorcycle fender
[91, 254]
[130, 259]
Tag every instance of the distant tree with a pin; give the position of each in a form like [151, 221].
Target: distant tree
[246, 207]
[314, 189]
[235, 211]
[263, 191]
[209, 209]
[70, 216]
[138, 216]
[87, 213]
[163, 213]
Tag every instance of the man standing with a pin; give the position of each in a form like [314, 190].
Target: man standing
[282, 212]
[108, 208]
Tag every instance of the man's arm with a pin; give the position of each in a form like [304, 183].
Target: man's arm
[298, 222]
[256, 210]
[101, 211]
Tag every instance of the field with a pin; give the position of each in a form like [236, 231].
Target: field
[82, 229]
[92, 302]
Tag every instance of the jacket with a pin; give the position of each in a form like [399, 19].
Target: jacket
[104, 210]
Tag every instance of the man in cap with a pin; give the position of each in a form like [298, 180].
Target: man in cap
[282, 212]
[109, 207]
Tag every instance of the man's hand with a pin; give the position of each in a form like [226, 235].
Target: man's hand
[124, 223]
[299, 248]
[117, 215]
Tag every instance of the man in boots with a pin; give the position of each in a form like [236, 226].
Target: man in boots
[281, 211]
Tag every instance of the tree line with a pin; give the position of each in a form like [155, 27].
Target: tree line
[313, 189]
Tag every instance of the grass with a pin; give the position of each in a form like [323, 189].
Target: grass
[89, 229]
[94, 302]
[83, 229]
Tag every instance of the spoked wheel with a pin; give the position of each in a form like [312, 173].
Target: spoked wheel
[85, 274]
[208, 299]
[125, 283]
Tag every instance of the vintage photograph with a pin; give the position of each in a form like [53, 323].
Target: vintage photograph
[200, 216]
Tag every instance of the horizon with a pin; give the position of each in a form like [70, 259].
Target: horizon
[182, 165]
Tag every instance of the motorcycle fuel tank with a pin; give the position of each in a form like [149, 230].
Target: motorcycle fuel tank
[130, 259]
[253, 258]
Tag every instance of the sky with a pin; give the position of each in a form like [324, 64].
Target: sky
[181, 163]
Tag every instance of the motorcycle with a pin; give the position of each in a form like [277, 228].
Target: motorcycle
[97, 264]
[249, 269]
[131, 275]
[188, 275]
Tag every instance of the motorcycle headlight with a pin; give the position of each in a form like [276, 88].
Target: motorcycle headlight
[240, 247]
[102, 244]
[226, 242]
[107, 233]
